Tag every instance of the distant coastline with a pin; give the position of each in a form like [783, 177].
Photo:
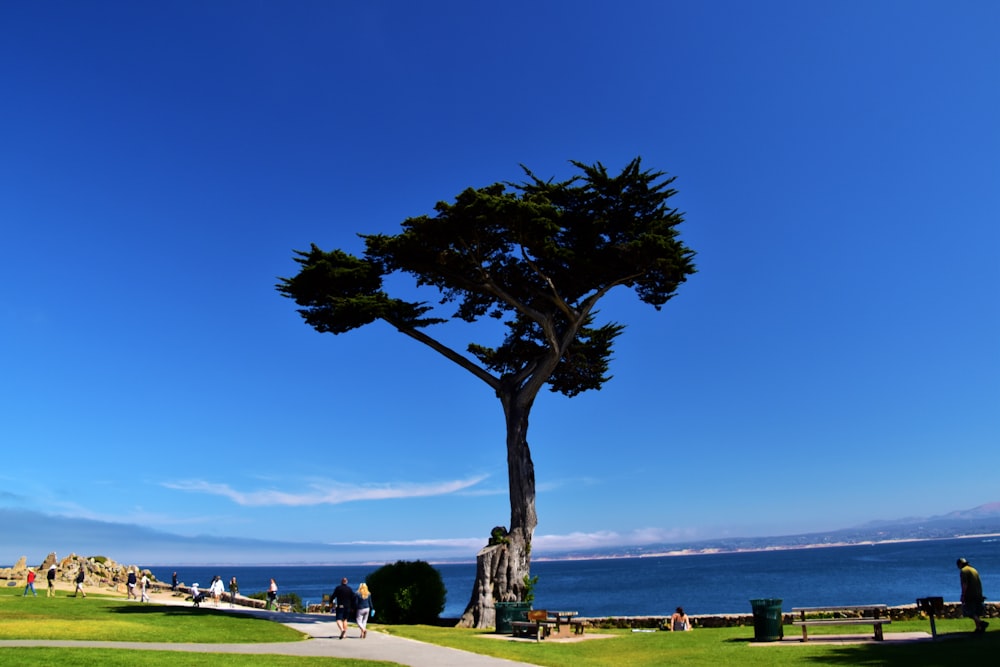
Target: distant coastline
[687, 551]
[666, 553]
[705, 551]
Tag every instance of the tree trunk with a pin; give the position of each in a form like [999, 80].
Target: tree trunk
[504, 564]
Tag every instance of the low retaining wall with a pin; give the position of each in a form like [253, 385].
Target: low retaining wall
[901, 613]
[240, 600]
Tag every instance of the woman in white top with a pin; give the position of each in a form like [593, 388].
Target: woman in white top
[216, 589]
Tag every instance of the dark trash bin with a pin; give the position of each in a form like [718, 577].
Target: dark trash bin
[767, 620]
[507, 613]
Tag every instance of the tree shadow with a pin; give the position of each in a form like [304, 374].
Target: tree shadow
[947, 649]
[191, 610]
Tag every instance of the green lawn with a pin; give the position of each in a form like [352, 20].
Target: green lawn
[103, 618]
[723, 646]
[113, 619]
[88, 657]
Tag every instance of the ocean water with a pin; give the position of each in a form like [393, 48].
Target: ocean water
[891, 573]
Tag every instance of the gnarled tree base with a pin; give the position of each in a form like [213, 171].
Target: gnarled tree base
[501, 568]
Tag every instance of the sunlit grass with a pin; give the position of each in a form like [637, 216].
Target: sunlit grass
[112, 619]
[100, 618]
[84, 657]
[722, 646]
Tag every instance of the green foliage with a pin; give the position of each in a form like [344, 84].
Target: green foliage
[407, 592]
[537, 256]
[499, 535]
[99, 559]
[292, 599]
[529, 588]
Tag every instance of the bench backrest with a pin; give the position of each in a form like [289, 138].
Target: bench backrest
[537, 615]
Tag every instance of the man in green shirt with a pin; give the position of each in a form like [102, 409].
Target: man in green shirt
[973, 602]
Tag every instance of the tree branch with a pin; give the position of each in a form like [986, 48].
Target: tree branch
[448, 353]
[559, 301]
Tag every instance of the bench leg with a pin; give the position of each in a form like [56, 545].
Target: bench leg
[878, 632]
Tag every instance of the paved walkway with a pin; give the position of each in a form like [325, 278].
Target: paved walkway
[324, 643]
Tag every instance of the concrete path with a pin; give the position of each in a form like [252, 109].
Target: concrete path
[324, 643]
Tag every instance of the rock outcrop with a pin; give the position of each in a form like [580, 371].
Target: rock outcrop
[97, 570]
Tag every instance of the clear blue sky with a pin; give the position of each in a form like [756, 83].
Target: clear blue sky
[837, 354]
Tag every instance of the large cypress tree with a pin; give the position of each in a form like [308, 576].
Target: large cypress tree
[537, 256]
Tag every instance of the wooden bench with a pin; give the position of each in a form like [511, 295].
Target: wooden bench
[817, 616]
[566, 623]
[538, 625]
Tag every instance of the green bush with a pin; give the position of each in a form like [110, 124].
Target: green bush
[407, 592]
[292, 599]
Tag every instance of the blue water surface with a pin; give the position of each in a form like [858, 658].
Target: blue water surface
[892, 573]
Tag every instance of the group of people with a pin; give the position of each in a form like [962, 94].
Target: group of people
[216, 590]
[346, 603]
[130, 585]
[81, 576]
[50, 577]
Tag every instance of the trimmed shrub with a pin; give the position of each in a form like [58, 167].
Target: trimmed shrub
[292, 599]
[407, 592]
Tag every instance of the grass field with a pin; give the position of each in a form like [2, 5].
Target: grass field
[113, 619]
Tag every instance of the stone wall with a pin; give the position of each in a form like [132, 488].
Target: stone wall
[901, 613]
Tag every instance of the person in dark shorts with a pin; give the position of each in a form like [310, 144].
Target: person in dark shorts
[973, 602]
[342, 600]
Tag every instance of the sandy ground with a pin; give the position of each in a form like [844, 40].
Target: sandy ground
[157, 593]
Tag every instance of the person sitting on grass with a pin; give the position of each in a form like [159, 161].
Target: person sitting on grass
[680, 622]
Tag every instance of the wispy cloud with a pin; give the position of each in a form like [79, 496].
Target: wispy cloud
[466, 544]
[324, 494]
[552, 544]
[608, 539]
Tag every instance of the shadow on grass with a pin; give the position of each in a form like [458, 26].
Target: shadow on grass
[948, 649]
[177, 611]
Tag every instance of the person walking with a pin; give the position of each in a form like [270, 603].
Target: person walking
[130, 586]
[364, 607]
[341, 601]
[30, 585]
[272, 594]
[173, 582]
[80, 576]
[234, 590]
[217, 589]
[51, 578]
[973, 602]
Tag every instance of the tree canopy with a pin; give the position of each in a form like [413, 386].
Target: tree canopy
[536, 255]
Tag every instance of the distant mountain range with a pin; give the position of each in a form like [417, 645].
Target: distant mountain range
[982, 520]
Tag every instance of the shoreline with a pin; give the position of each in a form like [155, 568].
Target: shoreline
[705, 551]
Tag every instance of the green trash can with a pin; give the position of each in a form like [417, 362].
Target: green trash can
[507, 613]
[767, 620]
